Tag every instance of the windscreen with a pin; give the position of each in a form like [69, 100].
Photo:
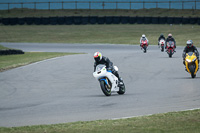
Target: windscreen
[190, 53]
[99, 67]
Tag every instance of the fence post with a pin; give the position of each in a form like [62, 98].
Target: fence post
[49, 6]
[116, 5]
[130, 5]
[182, 5]
[34, 6]
[8, 7]
[143, 5]
[90, 5]
[169, 4]
[195, 4]
[62, 5]
[76, 5]
[22, 7]
[103, 4]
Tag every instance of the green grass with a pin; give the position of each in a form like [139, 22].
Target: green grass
[85, 12]
[174, 122]
[13, 61]
[114, 34]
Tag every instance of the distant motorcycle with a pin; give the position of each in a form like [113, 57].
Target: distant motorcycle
[191, 64]
[170, 48]
[144, 45]
[162, 44]
[108, 81]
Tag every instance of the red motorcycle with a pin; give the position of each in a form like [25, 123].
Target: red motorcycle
[144, 45]
[170, 48]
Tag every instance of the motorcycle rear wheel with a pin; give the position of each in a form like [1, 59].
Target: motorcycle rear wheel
[121, 90]
[105, 88]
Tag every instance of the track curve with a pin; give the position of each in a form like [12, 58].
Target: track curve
[63, 89]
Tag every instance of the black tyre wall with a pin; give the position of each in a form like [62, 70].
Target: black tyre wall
[69, 20]
[140, 20]
[93, 19]
[125, 20]
[101, 20]
[147, 20]
[85, 20]
[109, 20]
[116, 20]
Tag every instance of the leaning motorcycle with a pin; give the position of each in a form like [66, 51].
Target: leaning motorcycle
[191, 64]
[109, 82]
[170, 48]
[162, 44]
[144, 45]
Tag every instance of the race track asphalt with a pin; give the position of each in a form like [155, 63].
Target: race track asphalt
[64, 90]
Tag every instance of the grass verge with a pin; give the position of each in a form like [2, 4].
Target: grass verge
[13, 61]
[173, 122]
[155, 12]
[114, 34]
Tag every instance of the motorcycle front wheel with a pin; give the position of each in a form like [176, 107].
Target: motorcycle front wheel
[192, 69]
[104, 87]
[170, 54]
[145, 49]
[162, 48]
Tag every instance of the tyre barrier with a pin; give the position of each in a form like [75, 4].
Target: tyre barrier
[155, 20]
[21, 21]
[162, 20]
[85, 20]
[101, 20]
[53, 20]
[170, 20]
[109, 20]
[69, 20]
[132, 20]
[11, 52]
[78, 20]
[139, 20]
[125, 20]
[61, 20]
[93, 19]
[147, 20]
[185, 20]
[116, 20]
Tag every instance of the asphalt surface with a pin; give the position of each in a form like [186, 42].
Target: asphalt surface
[64, 90]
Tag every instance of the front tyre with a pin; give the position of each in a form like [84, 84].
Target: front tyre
[162, 48]
[121, 90]
[192, 69]
[105, 89]
[145, 49]
[170, 54]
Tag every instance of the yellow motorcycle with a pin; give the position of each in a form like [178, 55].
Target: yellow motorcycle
[191, 63]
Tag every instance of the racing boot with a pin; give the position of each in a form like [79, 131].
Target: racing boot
[120, 82]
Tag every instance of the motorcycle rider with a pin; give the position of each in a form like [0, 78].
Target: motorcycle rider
[161, 37]
[145, 38]
[170, 38]
[190, 48]
[99, 59]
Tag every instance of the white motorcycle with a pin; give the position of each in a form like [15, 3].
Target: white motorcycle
[162, 45]
[108, 81]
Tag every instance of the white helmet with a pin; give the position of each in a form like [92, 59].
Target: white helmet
[189, 43]
[97, 56]
[143, 36]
